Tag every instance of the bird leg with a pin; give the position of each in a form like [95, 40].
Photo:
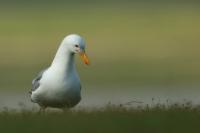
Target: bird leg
[42, 110]
[65, 110]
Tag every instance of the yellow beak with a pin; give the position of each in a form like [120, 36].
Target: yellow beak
[85, 58]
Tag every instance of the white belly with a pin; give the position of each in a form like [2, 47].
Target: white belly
[58, 91]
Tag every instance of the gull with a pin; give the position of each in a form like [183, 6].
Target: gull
[59, 85]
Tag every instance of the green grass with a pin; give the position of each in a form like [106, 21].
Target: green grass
[129, 44]
[117, 119]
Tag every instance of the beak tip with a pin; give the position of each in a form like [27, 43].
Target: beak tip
[85, 59]
[87, 62]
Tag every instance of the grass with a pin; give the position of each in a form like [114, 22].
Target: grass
[129, 44]
[112, 118]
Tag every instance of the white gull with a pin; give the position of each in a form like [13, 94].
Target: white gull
[59, 85]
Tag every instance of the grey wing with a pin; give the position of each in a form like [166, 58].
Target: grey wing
[36, 81]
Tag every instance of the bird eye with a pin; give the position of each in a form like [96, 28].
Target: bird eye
[76, 45]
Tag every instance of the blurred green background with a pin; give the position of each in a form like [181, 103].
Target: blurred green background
[139, 50]
[130, 43]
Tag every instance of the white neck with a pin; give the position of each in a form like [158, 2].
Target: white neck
[64, 61]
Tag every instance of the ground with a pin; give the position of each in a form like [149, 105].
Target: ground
[110, 119]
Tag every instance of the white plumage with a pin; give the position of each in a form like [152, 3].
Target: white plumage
[59, 85]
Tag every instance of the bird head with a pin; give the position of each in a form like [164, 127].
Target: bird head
[76, 45]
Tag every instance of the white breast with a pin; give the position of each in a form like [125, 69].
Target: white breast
[56, 87]
[59, 83]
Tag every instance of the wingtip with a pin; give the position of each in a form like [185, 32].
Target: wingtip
[30, 92]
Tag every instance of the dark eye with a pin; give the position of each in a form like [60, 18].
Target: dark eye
[76, 45]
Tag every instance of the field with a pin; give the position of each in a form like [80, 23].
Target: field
[131, 45]
[111, 119]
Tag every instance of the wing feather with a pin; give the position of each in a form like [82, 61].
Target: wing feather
[36, 81]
